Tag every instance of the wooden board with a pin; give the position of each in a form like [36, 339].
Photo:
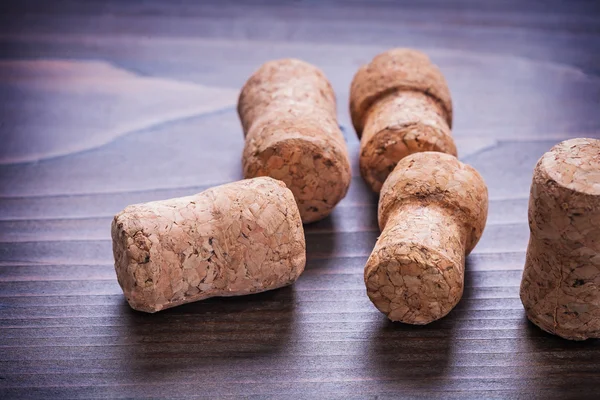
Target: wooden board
[107, 103]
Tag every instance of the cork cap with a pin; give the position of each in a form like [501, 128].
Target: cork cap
[286, 84]
[396, 70]
[432, 212]
[441, 179]
[561, 279]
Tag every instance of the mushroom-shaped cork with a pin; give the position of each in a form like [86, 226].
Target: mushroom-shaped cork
[432, 212]
[561, 280]
[400, 105]
[288, 114]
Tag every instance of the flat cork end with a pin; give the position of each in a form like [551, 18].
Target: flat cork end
[398, 69]
[317, 174]
[559, 289]
[574, 165]
[132, 249]
[412, 284]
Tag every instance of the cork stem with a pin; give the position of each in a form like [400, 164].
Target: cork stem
[397, 125]
[415, 273]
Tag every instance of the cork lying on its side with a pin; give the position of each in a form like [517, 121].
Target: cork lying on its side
[400, 104]
[432, 212]
[240, 238]
[288, 112]
[561, 280]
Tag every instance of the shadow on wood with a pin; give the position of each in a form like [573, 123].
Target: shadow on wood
[257, 325]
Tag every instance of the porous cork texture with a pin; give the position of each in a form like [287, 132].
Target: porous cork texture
[432, 212]
[400, 105]
[235, 239]
[560, 289]
[288, 113]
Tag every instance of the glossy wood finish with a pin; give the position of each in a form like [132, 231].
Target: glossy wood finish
[107, 103]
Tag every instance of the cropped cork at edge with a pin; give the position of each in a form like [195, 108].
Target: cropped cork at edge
[240, 238]
[560, 289]
[432, 212]
[400, 104]
[288, 113]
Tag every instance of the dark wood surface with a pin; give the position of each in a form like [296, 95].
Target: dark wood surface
[107, 103]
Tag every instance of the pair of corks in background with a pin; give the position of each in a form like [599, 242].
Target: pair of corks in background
[432, 208]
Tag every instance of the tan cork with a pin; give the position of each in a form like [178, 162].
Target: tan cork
[432, 212]
[235, 239]
[561, 280]
[288, 113]
[400, 105]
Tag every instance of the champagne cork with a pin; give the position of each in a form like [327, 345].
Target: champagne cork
[432, 212]
[400, 105]
[561, 280]
[288, 113]
[235, 239]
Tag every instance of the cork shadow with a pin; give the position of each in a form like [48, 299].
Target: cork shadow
[351, 230]
[419, 357]
[408, 356]
[577, 361]
[224, 329]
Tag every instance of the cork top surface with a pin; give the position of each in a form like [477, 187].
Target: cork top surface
[575, 165]
[283, 85]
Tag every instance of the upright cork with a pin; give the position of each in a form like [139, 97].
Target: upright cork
[400, 105]
[240, 238]
[432, 212]
[288, 114]
[561, 280]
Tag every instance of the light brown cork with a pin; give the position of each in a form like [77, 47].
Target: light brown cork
[400, 105]
[561, 280]
[432, 212]
[288, 113]
[235, 239]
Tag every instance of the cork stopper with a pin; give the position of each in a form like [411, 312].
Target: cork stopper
[288, 113]
[235, 239]
[400, 104]
[560, 288]
[432, 212]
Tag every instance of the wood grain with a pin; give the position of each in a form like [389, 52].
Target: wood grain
[104, 104]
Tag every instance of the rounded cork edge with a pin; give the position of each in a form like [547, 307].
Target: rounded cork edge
[565, 334]
[397, 69]
[438, 178]
[292, 67]
[574, 165]
[401, 286]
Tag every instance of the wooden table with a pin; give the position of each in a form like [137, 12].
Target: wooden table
[107, 103]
